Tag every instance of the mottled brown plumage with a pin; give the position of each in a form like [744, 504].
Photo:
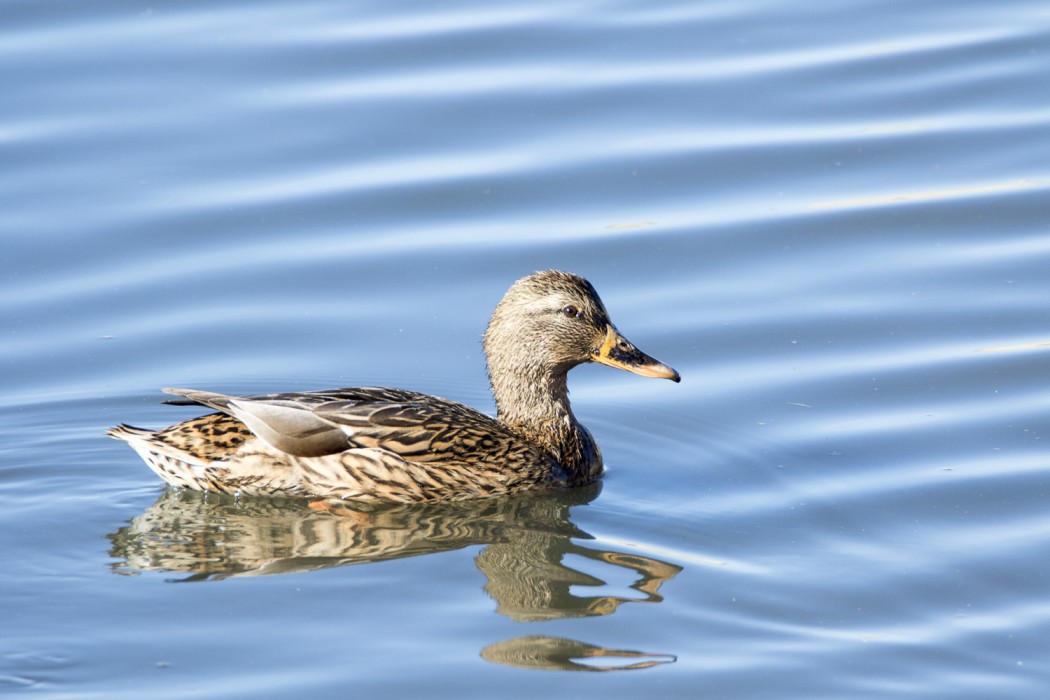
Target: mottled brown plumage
[372, 443]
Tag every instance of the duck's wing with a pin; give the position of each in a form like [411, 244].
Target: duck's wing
[426, 429]
[416, 427]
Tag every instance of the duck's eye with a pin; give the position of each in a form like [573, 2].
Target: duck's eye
[571, 311]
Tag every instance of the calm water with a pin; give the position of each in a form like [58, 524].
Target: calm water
[834, 222]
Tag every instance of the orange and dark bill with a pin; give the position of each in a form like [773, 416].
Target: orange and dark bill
[617, 351]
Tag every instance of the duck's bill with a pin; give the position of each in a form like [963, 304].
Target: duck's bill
[616, 351]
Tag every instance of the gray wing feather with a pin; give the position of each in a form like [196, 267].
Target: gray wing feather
[289, 427]
[282, 422]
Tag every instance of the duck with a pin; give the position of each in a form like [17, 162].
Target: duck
[379, 444]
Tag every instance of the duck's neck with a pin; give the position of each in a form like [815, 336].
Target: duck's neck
[536, 407]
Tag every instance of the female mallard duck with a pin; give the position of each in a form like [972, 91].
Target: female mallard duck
[380, 444]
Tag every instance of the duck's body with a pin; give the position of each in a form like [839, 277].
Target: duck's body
[396, 445]
[372, 443]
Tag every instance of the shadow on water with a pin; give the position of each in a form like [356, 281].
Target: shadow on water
[525, 539]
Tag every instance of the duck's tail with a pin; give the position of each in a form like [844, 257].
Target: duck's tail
[175, 466]
[127, 433]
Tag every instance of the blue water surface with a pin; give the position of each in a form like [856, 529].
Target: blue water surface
[833, 220]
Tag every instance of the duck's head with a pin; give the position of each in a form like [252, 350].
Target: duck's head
[549, 322]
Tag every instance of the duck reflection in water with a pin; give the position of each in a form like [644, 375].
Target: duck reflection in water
[525, 538]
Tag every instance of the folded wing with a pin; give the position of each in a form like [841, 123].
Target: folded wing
[414, 426]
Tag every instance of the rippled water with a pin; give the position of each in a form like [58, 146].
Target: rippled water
[833, 221]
